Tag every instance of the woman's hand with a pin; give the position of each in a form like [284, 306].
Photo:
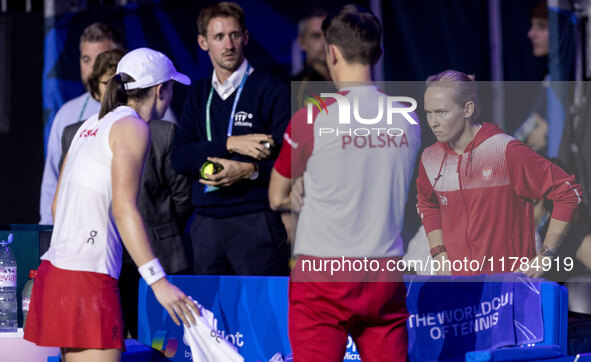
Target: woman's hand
[175, 302]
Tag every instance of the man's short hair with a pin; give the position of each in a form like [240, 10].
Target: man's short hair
[356, 32]
[303, 22]
[225, 9]
[540, 10]
[98, 32]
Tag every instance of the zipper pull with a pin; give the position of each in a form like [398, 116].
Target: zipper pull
[459, 164]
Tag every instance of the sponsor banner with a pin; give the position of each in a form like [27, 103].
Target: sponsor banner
[446, 320]
[472, 313]
[251, 313]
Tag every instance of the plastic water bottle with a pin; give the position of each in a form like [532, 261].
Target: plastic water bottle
[27, 290]
[8, 301]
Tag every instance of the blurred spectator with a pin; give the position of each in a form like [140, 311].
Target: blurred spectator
[164, 199]
[95, 39]
[103, 69]
[311, 40]
[534, 131]
[235, 119]
[538, 32]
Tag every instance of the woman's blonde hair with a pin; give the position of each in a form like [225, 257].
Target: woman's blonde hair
[464, 87]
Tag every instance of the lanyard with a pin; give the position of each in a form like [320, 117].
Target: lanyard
[83, 108]
[231, 121]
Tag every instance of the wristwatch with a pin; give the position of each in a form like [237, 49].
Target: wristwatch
[254, 174]
[437, 250]
[546, 251]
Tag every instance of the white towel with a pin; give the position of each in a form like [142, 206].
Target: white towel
[205, 342]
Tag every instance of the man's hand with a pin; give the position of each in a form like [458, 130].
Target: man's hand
[233, 171]
[538, 138]
[175, 302]
[251, 145]
[297, 194]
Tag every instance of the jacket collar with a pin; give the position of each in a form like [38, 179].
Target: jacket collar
[232, 83]
[486, 131]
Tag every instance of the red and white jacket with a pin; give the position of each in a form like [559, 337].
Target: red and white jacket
[482, 199]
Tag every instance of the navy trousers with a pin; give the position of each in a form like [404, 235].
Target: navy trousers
[251, 244]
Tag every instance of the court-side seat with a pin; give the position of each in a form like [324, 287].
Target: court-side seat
[554, 346]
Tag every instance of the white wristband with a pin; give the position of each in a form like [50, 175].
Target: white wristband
[152, 271]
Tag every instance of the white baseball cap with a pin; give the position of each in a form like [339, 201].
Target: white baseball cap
[149, 67]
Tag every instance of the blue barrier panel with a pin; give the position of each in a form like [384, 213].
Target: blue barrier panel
[455, 315]
[251, 313]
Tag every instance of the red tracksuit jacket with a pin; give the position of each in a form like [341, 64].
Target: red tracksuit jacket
[482, 199]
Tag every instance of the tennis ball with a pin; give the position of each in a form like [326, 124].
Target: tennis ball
[210, 168]
[206, 169]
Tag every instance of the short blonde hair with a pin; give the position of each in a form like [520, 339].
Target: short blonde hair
[464, 87]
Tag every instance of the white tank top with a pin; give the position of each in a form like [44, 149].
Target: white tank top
[85, 236]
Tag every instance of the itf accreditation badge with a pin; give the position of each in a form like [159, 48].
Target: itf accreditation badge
[209, 188]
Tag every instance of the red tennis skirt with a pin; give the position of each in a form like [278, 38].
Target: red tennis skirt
[74, 309]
